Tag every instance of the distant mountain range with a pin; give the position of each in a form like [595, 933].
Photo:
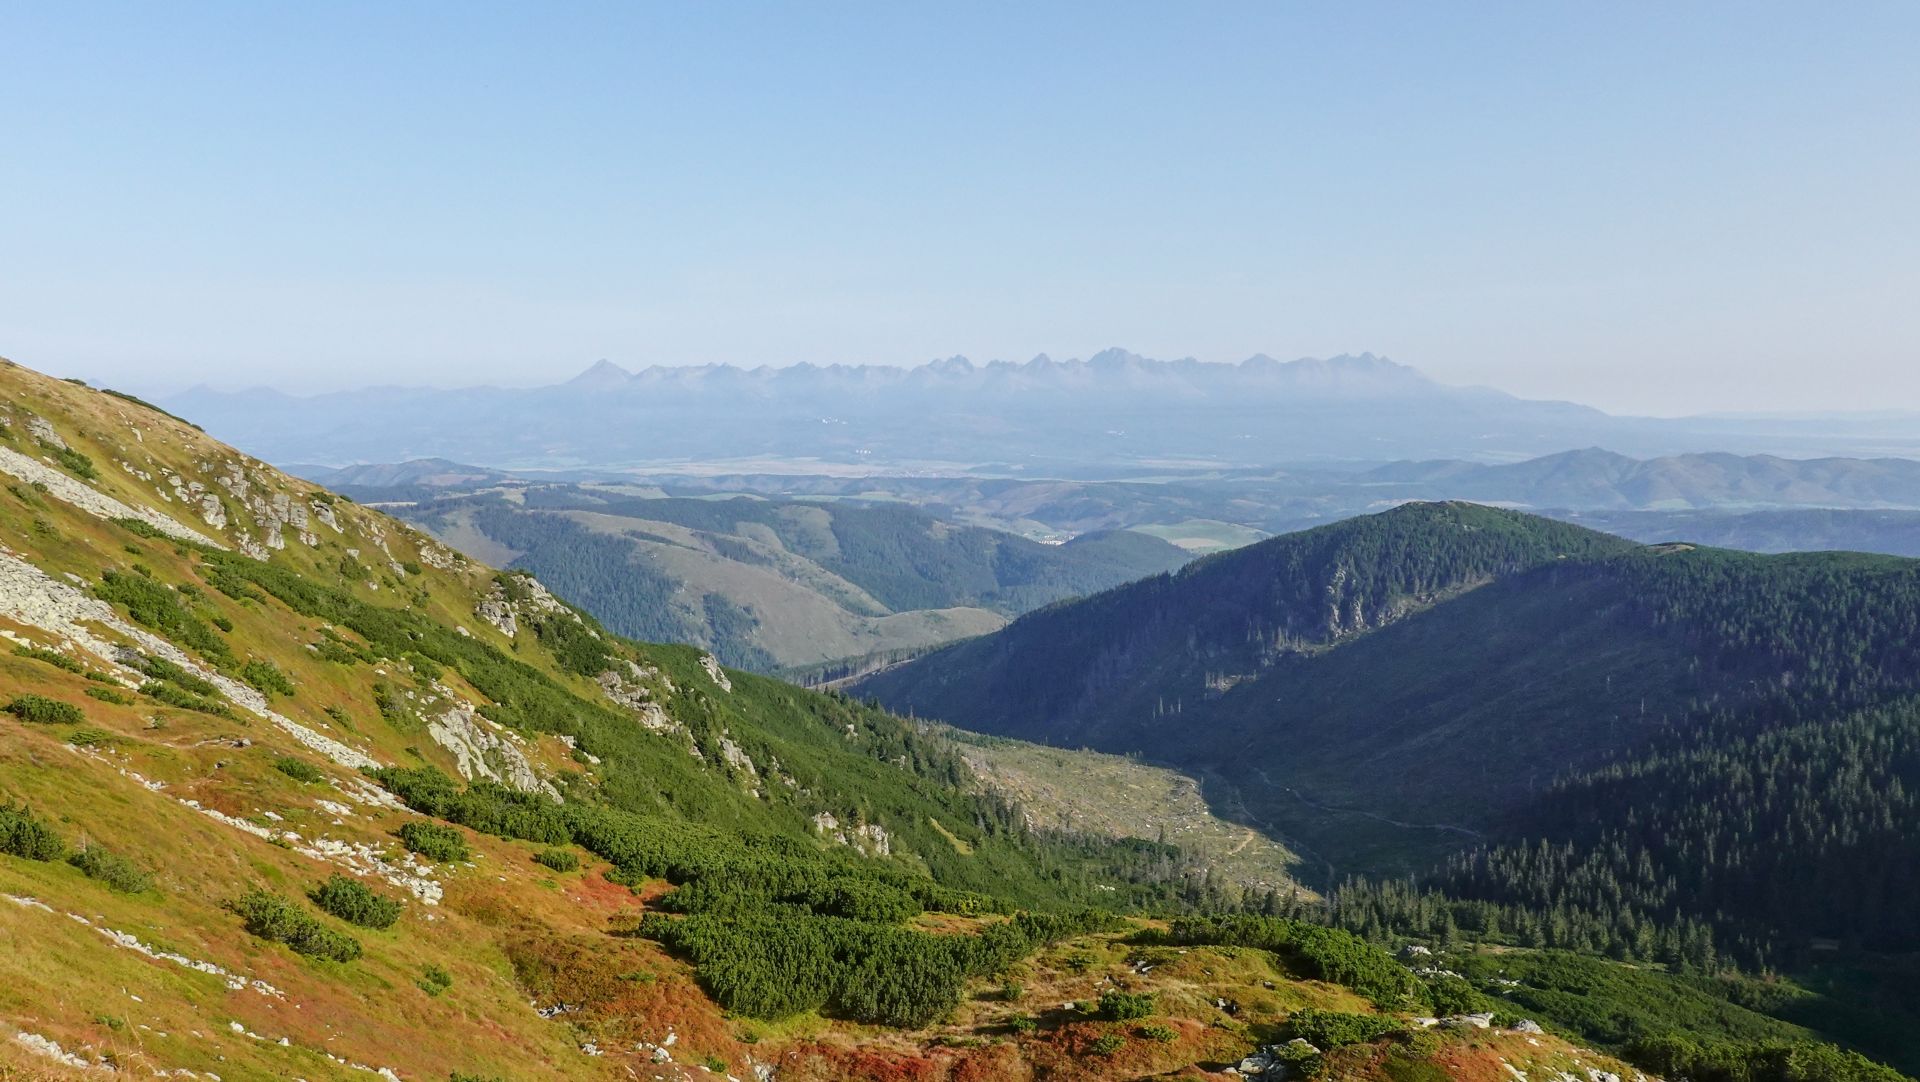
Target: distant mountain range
[1115, 412]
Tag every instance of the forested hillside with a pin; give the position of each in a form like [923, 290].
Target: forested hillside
[771, 583]
[1633, 738]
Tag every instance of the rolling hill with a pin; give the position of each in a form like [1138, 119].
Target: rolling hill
[767, 584]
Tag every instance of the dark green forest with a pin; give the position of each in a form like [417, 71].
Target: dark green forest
[1669, 754]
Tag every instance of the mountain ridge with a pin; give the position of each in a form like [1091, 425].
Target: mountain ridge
[1421, 645]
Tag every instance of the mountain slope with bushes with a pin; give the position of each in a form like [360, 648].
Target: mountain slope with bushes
[291, 790]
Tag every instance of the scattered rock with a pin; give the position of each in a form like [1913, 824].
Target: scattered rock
[479, 751]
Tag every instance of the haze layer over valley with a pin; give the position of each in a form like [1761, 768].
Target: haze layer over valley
[1115, 413]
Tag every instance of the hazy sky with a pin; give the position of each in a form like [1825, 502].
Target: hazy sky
[1661, 207]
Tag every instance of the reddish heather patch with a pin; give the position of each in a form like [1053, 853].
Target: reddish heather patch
[221, 800]
[630, 987]
[998, 1063]
[815, 1062]
[1470, 1064]
[594, 892]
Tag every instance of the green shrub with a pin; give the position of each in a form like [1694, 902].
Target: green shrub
[40, 709]
[1023, 1023]
[424, 667]
[1157, 1032]
[161, 669]
[88, 736]
[267, 677]
[114, 870]
[109, 695]
[139, 528]
[272, 917]
[335, 651]
[175, 695]
[1755, 1061]
[434, 980]
[1328, 954]
[1331, 1029]
[435, 841]
[52, 657]
[298, 769]
[80, 465]
[485, 806]
[1108, 1043]
[1118, 1006]
[1452, 995]
[560, 860]
[352, 901]
[154, 605]
[23, 835]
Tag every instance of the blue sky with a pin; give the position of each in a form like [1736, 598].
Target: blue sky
[1656, 208]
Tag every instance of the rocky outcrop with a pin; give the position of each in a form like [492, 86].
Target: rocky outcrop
[496, 611]
[274, 512]
[437, 556]
[98, 504]
[40, 429]
[719, 675]
[869, 839]
[323, 513]
[481, 751]
[625, 686]
[1273, 1060]
[506, 606]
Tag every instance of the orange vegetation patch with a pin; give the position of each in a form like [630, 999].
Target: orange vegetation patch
[626, 991]
[952, 923]
[593, 891]
[816, 1062]
[224, 801]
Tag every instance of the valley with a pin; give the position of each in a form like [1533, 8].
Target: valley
[774, 583]
[278, 771]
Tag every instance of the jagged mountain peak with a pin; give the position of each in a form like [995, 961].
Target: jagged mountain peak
[601, 375]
